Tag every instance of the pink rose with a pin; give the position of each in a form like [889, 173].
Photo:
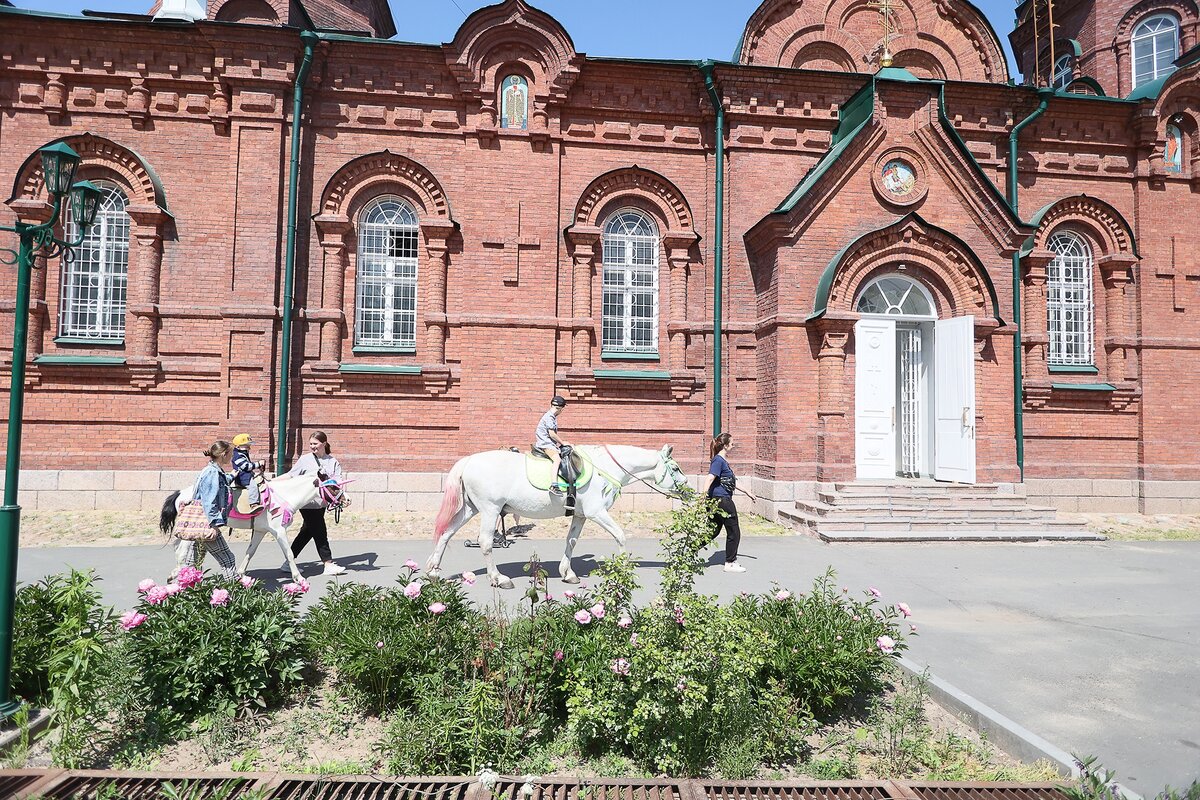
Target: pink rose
[620, 666]
[469, 578]
[220, 597]
[247, 581]
[146, 585]
[157, 595]
[624, 621]
[437, 608]
[886, 643]
[582, 617]
[904, 609]
[412, 564]
[131, 619]
[782, 594]
[874, 592]
[597, 610]
[413, 590]
[189, 576]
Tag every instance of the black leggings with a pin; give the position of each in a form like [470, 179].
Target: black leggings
[313, 529]
[733, 532]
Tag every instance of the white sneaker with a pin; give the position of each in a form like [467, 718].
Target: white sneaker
[334, 569]
[734, 566]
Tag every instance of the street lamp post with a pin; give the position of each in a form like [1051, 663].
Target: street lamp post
[59, 163]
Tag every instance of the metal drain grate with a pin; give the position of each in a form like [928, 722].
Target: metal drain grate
[568, 789]
[794, 791]
[11, 784]
[366, 788]
[976, 791]
[100, 786]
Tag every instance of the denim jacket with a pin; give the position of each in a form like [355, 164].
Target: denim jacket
[212, 490]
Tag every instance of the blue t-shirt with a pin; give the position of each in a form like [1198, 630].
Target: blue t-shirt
[720, 469]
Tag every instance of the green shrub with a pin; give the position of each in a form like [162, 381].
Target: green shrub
[194, 656]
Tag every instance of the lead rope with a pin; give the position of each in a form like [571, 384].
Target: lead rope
[635, 476]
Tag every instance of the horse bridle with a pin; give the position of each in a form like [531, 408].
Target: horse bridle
[630, 473]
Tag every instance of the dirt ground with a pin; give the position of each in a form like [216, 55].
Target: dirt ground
[63, 528]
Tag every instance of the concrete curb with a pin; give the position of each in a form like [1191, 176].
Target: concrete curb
[1014, 739]
[39, 719]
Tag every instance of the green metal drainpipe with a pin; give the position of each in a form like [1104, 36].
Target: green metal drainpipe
[706, 69]
[310, 40]
[1044, 96]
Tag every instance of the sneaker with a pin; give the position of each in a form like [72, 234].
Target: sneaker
[734, 566]
[334, 569]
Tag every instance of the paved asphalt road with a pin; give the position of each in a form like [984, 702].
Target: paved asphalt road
[1095, 647]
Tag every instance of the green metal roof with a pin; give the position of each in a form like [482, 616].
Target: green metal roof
[1148, 91]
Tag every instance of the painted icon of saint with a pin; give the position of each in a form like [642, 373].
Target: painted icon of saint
[1173, 152]
[898, 178]
[515, 103]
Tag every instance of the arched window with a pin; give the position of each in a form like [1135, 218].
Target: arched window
[1173, 149]
[1155, 45]
[896, 296]
[630, 283]
[93, 291]
[1069, 300]
[386, 294]
[1063, 74]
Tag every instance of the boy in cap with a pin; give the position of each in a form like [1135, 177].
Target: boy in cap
[547, 439]
[244, 469]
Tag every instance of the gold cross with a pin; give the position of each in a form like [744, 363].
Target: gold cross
[885, 11]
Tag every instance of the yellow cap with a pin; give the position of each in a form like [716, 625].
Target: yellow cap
[242, 439]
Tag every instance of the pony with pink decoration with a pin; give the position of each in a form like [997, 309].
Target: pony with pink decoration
[282, 498]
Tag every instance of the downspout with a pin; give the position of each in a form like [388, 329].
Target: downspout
[706, 69]
[310, 39]
[1044, 96]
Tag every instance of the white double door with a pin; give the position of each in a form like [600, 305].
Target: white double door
[900, 372]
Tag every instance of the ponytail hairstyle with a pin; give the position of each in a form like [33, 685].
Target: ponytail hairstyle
[323, 439]
[719, 443]
[218, 450]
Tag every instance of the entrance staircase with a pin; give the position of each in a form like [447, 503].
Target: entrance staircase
[926, 511]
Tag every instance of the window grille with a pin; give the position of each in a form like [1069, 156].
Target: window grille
[1069, 300]
[1155, 45]
[630, 320]
[386, 293]
[94, 283]
[1063, 74]
[895, 296]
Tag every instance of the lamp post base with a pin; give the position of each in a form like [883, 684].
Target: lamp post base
[10, 527]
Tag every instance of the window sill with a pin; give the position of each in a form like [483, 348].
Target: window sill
[372, 348]
[1083, 387]
[631, 375]
[90, 342]
[616, 355]
[1073, 369]
[80, 361]
[379, 369]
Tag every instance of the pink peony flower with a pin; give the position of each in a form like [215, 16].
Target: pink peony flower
[679, 615]
[782, 594]
[569, 594]
[558, 655]
[886, 643]
[247, 581]
[131, 619]
[874, 592]
[597, 610]
[173, 589]
[437, 608]
[413, 590]
[295, 588]
[904, 609]
[845, 590]
[220, 597]
[412, 564]
[620, 666]
[912, 628]
[469, 578]
[379, 645]
[157, 595]
[189, 576]
[549, 597]
[146, 585]
[582, 617]
[624, 621]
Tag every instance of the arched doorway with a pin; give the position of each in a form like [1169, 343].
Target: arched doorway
[914, 393]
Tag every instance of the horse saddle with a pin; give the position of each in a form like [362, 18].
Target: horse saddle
[573, 470]
[240, 507]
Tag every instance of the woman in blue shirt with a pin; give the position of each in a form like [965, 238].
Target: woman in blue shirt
[721, 490]
[212, 490]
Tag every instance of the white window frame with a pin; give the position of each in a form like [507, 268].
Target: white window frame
[386, 276]
[1070, 307]
[1063, 74]
[893, 310]
[94, 287]
[1163, 45]
[630, 245]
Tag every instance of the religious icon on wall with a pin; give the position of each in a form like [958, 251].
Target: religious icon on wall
[514, 106]
[899, 178]
[1173, 151]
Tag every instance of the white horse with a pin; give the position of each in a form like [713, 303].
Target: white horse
[494, 481]
[282, 500]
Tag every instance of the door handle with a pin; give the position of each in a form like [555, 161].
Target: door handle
[893, 418]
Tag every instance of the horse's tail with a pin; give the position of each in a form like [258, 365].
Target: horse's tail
[166, 520]
[452, 500]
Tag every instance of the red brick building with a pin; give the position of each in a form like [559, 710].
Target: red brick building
[486, 222]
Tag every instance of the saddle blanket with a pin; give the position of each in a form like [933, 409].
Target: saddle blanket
[537, 470]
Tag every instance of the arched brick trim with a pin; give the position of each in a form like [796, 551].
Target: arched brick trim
[1184, 11]
[817, 36]
[946, 265]
[636, 182]
[236, 11]
[1110, 232]
[96, 151]
[360, 177]
[815, 52]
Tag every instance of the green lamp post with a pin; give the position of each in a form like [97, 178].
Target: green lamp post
[59, 163]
